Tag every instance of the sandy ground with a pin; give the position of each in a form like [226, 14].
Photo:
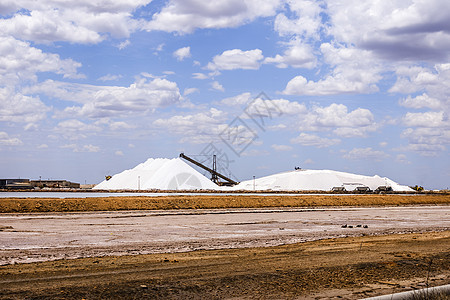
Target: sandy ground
[235, 257]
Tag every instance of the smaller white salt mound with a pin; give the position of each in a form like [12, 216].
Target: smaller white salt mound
[318, 180]
[159, 174]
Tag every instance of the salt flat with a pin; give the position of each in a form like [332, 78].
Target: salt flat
[49, 236]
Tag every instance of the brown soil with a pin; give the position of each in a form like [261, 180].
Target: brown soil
[22, 205]
[345, 268]
[348, 268]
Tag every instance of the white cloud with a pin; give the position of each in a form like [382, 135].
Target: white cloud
[421, 101]
[238, 100]
[48, 26]
[199, 76]
[184, 16]
[84, 148]
[260, 107]
[110, 77]
[89, 148]
[426, 141]
[75, 129]
[182, 53]
[217, 86]
[19, 61]
[435, 82]
[297, 56]
[403, 159]
[189, 91]
[355, 71]
[281, 147]
[124, 44]
[306, 22]
[237, 59]
[427, 119]
[85, 22]
[42, 146]
[396, 30]
[336, 117]
[15, 107]
[365, 154]
[120, 125]
[306, 139]
[118, 153]
[203, 127]
[6, 140]
[141, 97]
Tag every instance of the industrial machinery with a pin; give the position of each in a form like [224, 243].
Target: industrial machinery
[214, 174]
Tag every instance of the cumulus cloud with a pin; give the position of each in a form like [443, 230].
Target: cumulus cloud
[237, 59]
[427, 119]
[396, 30]
[217, 86]
[75, 129]
[86, 22]
[420, 101]
[271, 108]
[15, 107]
[354, 71]
[143, 96]
[20, 61]
[182, 53]
[426, 141]
[297, 56]
[305, 21]
[184, 16]
[203, 127]
[6, 140]
[306, 139]
[237, 100]
[336, 117]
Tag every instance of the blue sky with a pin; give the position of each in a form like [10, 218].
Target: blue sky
[90, 88]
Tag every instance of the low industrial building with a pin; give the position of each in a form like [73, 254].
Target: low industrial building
[15, 184]
[54, 184]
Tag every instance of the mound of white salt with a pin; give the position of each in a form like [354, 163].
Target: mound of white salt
[318, 180]
[160, 174]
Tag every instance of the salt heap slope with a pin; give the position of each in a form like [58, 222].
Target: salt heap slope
[318, 180]
[159, 174]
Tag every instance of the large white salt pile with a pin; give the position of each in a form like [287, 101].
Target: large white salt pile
[318, 180]
[160, 174]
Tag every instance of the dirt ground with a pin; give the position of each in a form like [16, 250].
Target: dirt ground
[341, 268]
[347, 268]
[19, 205]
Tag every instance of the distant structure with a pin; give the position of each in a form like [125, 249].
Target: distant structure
[15, 184]
[22, 184]
[54, 184]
